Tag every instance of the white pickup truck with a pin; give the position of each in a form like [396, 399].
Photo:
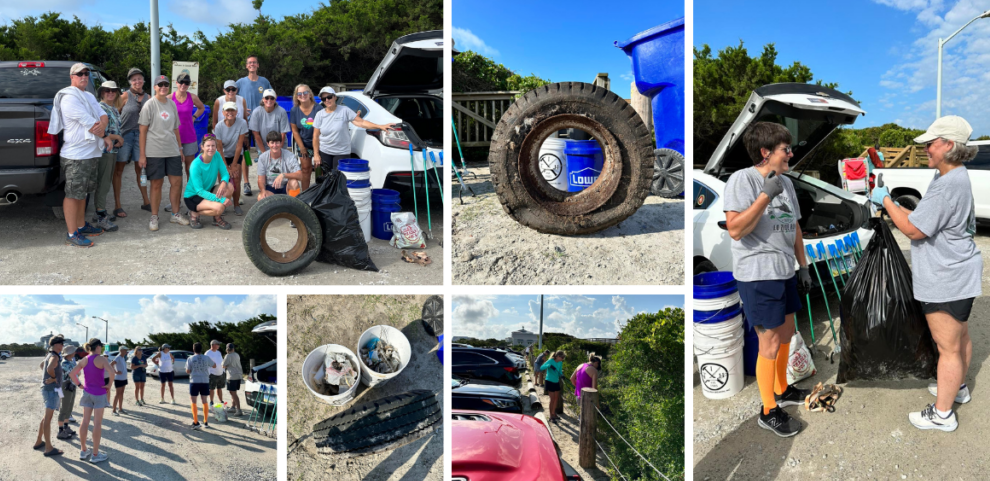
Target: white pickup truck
[908, 185]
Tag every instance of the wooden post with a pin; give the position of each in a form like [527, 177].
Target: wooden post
[641, 104]
[586, 439]
[560, 400]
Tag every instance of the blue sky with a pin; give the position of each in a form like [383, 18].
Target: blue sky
[27, 318]
[569, 41]
[884, 51]
[187, 16]
[496, 317]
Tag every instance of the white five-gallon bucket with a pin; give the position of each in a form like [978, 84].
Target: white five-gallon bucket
[394, 337]
[553, 164]
[358, 175]
[721, 369]
[314, 362]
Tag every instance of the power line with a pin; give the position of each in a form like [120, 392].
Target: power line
[630, 445]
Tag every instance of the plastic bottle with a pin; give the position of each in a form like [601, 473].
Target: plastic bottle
[144, 178]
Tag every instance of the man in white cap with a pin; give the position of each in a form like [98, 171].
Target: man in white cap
[946, 265]
[251, 88]
[269, 117]
[161, 150]
[77, 112]
[331, 137]
[218, 378]
[231, 133]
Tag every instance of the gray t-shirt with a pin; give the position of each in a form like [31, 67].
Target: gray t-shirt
[767, 253]
[121, 365]
[162, 119]
[232, 363]
[263, 122]
[946, 266]
[335, 137]
[199, 368]
[228, 135]
[270, 168]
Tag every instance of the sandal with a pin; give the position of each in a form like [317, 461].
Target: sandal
[194, 222]
[54, 452]
[146, 207]
[39, 447]
[219, 222]
[119, 212]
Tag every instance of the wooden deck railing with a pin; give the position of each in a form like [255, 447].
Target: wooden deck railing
[477, 113]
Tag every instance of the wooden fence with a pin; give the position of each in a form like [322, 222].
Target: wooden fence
[893, 157]
[477, 113]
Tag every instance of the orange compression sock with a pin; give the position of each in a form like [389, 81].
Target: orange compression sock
[206, 413]
[766, 371]
[195, 412]
[781, 380]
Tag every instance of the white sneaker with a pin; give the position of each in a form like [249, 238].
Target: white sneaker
[929, 419]
[962, 397]
[97, 458]
[153, 225]
[72, 419]
[83, 455]
[178, 219]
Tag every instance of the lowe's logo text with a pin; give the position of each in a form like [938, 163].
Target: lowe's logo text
[583, 177]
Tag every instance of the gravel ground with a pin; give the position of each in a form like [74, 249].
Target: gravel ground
[317, 320]
[490, 248]
[150, 442]
[868, 436]
[34, 252]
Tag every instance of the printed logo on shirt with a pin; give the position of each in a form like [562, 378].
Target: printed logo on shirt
[781, 215]
[306, 123]
[164, 115]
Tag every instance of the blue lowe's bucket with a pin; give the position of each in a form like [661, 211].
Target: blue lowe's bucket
[584, 163]
[353, 165]
[202, 126]
[383, 203]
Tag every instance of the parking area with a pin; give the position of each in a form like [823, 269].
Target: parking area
[34, 253]
[153, 442]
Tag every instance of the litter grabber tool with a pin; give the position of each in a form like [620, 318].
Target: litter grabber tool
[848, 255]
[460, 192]
[835, 341]
[426, 190]
[412, 168]
[840, 260]
[463, 163]
[433, 162]
[833, 273]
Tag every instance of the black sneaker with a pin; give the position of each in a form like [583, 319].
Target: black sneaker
[779, 422]
[196, 426]
[793, 396]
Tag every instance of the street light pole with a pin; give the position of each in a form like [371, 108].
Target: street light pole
[86, 339]
[155, 52]
[107, 326]
[941, 43]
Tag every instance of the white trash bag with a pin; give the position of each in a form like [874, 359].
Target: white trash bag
[799, 363]
[406, 232]
[219, 414]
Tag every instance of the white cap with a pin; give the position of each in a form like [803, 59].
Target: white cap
[109, 84]
[229, 106]
[327, 90]
[77, 67]
[228, 84]
[950, 127]
[269, 93]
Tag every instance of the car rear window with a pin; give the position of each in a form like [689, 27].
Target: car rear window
[38, 83]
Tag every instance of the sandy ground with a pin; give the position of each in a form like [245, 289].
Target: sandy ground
[317, 320]
[34, 251]
[491, 248]
[868, 436]
[149, 442]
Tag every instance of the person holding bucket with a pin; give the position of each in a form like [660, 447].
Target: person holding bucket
[946, 264]
[554, 367]
[761, 214]
[278, 169]
[331, 137]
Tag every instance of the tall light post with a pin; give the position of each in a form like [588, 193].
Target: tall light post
[941, 43]
[155, 34]
[86, 339]
[107, 326]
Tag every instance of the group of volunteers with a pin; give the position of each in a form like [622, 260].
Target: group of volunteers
[946, 264]
[209, 375]
[102, 134]
[550, 368]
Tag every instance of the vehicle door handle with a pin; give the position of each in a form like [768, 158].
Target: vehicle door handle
[722, 225]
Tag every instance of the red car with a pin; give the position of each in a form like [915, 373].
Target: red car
[489, 446]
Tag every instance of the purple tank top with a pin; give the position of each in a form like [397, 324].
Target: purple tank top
[187, 132]
[583, 380]
[93, 380]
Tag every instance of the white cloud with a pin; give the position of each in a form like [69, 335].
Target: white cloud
[215, 12]
[465, 40]
[579, 316]
[473, 312]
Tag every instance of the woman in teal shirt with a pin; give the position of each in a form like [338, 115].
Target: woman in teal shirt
[554, 368]
[204, 195]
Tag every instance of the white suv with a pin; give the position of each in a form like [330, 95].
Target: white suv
[266, 373]
[5, 355]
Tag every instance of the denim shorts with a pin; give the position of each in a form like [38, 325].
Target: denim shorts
[767, 303]
[131, 150]
[52, 401]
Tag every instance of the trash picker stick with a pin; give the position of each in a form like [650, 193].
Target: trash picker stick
[412, 168]
[426, 190]
[433, 162]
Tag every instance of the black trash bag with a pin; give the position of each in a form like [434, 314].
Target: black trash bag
[884, 334]
[343, 240]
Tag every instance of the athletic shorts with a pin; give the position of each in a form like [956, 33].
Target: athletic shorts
[280, 190]
[553, 386]
[93, 401]
[767, 303]
[959, 310]
[190, 149]
[159, 167]
[117, 383]
[80, 177]
[234, 385]
[192, 203]
[166, 376]
[51, 399]
[218, 382]
[330, 161]
[231, 160]
[199, 389]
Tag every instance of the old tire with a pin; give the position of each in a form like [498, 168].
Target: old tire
[625, 178]
[668, 173]
[308, 242]
[433, 315]
[380, 425]
[908, 201]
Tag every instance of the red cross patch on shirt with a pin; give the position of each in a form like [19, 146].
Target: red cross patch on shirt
[164, 116]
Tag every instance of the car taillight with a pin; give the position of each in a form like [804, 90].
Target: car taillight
[873, 178]
[512, 369]
[45, 144]
[395, 138]
[31, 65]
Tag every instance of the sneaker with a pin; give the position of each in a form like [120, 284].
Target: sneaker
[168, 207]
[89, 230]
[72, 420]
[779, 422]
[793, 396]
[239, 412]
[247, 189]
[962, 397]
[178, 219]
[194, 223]
[78, 240]
[929, 419]
[115, 413]
[103, 222]
[173, 401]
[153, 225]
[206, 425]
[64, 434]
[162, 401]
[196, 426]
[121, 411]
[237, 210]
[85, 454]
[98, 458]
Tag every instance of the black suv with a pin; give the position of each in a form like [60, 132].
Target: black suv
[486, 365]
[485, 397]
[29, 162]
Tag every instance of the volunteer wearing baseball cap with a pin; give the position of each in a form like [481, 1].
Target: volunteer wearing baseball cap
[331, 137]
[119, 380]
[229, 95]
[185, 103]
[269, 117]
[51, 385]
[231, 132]
[946, 265]
[132, 100]
[166, 372]
[161, 150]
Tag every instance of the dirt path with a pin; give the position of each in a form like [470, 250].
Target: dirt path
[317, 320]
[152, 442]
[33, 251]
[491, 248]
[868, 436]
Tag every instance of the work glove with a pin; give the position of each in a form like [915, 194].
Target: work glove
[773, 185]
[804, 280]
[879, 193]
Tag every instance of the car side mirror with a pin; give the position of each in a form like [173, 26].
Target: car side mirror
[722, 225]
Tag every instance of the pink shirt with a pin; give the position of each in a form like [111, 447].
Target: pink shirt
[93, 380]
[583, 380]
[187, 132]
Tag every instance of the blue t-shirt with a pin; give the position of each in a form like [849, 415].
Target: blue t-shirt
[251, 91]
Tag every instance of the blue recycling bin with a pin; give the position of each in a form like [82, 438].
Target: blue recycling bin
[202, 125]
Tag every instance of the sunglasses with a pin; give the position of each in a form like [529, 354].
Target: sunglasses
[327, 97]
[84, 73]
[269, 98]
[787, 150]
[929, 144]
[302, 94]
[185, 83]
[230, 89]
[162, 85]
[209, 136]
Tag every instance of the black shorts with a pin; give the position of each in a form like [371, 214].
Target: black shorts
[331, 161]
[192, 203]
[234, 385]
[552, 386]
[117, 383]
[199, 389]
[231, 160]
[767, 303]
[166, 376]
[159, 167]
[959, 310]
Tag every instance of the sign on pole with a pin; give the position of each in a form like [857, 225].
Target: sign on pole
[191, 68]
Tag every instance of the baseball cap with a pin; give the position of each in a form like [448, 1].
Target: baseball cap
[123, 348]
[183, 77]
[229, 83]
[214, 342]
[162, 79]
[328, 90]
[229, 106]
[78, 67]
[269, 93]
[134, 71]
[950, 127]
[166, 346]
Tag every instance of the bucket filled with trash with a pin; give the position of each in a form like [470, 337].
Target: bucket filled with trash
[331, 374]
[384, 353]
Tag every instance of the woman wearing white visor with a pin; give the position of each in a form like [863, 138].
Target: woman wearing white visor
[331, 137]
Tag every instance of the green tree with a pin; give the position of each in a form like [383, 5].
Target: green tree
[473, 72]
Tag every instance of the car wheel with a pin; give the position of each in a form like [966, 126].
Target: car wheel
[380, 425]
[309, 235]
[622, 185]
[909, 202]
[704, 265]
[433, 315]
[668, 173]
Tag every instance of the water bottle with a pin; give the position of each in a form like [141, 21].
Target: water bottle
[144, 178]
